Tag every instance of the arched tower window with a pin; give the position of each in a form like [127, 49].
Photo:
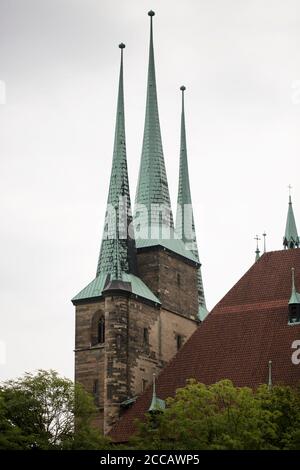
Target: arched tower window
[98, 329]
[101, 330]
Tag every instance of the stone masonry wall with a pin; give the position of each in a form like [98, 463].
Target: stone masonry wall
[89, 360]
[171, 326]
[172, 279]
[145, 357]
[140, 338]
[116, 378]
[130, 360]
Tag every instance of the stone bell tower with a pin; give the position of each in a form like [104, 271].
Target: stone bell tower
[143, 303]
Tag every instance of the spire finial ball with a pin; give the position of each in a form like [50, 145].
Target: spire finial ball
[182, 88]
[151, 13]
[122, 46]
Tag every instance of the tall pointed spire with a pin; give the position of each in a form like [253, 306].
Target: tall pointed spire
[117, 264]
[157, 404]
[185, 226]
[152, 188]
[257, 251]
[291, 238]
[118, 251]
[295, 296]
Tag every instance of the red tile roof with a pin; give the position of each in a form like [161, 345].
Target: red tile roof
[245, 330]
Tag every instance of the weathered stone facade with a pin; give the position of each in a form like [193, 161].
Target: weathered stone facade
[140, 337]
[172, 278]
[89, 359]
[143, 304]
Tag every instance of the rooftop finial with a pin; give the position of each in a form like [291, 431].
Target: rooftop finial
[293, 279]
[182, 88]
[257, 251]
[295, 297]
[156, 404]
[291, 238]
[151, 13]
[270, 376]
[265, 246]
[290, 187]
[122, 47]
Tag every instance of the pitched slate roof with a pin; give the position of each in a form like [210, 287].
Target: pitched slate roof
[185, 224]
[246, 329]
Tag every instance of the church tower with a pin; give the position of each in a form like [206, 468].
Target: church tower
[185, 224]
[143, 303]
[117, 335]
[165, 264]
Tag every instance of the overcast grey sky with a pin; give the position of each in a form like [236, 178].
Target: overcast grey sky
[59, 60]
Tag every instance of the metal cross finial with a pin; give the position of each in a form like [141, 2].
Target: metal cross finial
[264, 235]
[257, 240]
[290, 188]
[257, 251]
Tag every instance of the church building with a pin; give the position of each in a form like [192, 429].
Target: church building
[144, 314]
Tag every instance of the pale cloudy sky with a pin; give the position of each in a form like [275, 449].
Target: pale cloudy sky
[59, 61]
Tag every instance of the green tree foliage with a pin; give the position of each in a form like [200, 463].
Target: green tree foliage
[37, 411]
[222, 416]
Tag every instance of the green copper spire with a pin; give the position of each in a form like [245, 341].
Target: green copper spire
[157, 404]
[152, 188]
[291, 238]
[117, 260]
[118, 252]
[257, 251]
[185, 226]
[295, 296]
